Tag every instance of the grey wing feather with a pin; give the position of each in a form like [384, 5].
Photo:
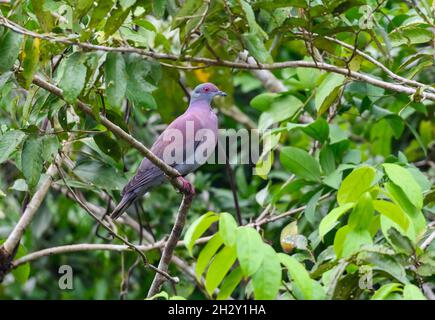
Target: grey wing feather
[148, 175]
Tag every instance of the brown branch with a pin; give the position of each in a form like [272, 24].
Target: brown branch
[9, 246]
[207, 62]
[376, 63]
[171, 243]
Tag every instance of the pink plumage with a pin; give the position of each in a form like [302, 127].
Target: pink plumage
[199, 121]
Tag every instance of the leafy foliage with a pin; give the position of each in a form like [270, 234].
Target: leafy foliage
[341, 205]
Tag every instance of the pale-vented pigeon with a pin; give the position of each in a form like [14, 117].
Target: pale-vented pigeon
[179, 145]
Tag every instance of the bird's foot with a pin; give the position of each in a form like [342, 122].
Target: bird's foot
[186, 186]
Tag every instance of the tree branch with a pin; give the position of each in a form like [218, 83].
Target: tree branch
[207, 62]
[171, 243]
[13, 240]
[375, 62]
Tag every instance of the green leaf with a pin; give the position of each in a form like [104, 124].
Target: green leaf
[282, 108]
[230, 283]
[125, 4]
[383, 292]
[405, 181]
[318, 129]
[30, 60]
[207, 253]
[10, 43]
[219, 267]
[355, 184]
[308, 76]
[256, 47]
[73, 78]
[401, 242]
[340, 238]
[300, 163]
[336, 134]
[327, 160]
[100, 11]
[227, 228]
[362, 214]
[355, 238]
[197, 228]
[398, 196]
[254, 28]
[31, 160]
[267, 279]
[115, 20]
[100, 175]
[384, 262]
[410, 35]
[328, 91]
[310, 210]
[330, 220]
[263, 101]
[248, 240]
[412, 292]
[305, 287]
[138, 86]
[50, 147]
[9, 141]
[108, 145]
[81, 8]
[393, 212]
[159, 7]
[115, 78]
[44, 16]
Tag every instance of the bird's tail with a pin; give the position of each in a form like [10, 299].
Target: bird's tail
[126, 201]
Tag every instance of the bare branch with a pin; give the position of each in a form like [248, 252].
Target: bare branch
[18, 231]
[171, 244]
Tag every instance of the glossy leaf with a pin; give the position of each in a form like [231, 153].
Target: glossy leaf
[230, 283]
[73, 78]
[227, 228]
[403, 178]
[197, 228]
[31, 159]
[10, 43]
[115, 78]
[330, 220]
[219, 267]
[305, 287]
[300, 163]
[206, 254]
[355, 184]
[327, 91]
[267, 279]
[248, 240]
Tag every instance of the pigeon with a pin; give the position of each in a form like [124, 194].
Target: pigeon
[184, 145]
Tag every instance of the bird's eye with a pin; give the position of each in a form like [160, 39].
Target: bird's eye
[206, 89]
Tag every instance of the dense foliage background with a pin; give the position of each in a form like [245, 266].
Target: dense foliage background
[344, 206]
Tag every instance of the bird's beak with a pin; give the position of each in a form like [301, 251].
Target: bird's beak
[221, 93]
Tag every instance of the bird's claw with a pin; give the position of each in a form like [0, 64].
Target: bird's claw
[186, 186]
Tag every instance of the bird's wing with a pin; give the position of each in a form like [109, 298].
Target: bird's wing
[148, 173]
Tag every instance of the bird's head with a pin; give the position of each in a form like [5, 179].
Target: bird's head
[206, 91]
